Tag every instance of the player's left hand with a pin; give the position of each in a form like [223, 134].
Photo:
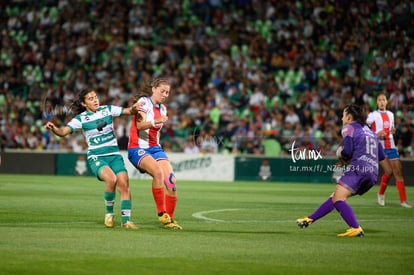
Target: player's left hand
[49, 125]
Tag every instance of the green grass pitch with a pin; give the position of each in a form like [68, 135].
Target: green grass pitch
[54, 225]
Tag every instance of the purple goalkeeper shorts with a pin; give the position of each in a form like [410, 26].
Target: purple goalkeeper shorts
[358, 182]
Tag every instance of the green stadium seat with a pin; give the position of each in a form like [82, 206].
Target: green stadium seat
[234, 50]
[2, 100]
[215, 115]
[322, 74]
[210, 31]
[334, 73]
[54, 13]
[258, 25]
[277, 79]
[194, 19]
[271, 147]
[245, 49]
[223, 147]
[157, 68]
[318, 135]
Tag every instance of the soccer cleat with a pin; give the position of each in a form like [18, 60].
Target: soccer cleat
[164, 218]
[353, 232]
[129, 225]
[381, 200]
[305, 222]
[109, 220]
[173, 225]
[406, 205]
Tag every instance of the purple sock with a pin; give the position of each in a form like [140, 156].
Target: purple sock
[347, 213]
[324, 209]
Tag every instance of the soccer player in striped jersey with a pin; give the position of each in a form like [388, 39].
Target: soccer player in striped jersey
[145, 152]
[103, 155]
[381, 122]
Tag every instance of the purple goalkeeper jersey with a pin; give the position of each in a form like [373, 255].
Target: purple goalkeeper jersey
[361, 146]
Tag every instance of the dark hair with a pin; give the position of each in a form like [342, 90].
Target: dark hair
[146, 89]
[76, 106]
[357, 113]
[380, 93]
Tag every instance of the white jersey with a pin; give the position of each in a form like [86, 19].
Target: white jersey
[98, 129]
[383, 121]
[148, 137]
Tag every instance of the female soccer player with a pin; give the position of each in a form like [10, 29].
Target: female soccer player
[381, 122]
[362, 151]
[145, 152]
[103, 155]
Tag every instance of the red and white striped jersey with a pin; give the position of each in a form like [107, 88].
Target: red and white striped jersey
[149, 137]
[383, 121]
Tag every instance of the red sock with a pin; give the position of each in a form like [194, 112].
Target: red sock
[401, 190]
[159, 199]
[171, 202]
[384, 182]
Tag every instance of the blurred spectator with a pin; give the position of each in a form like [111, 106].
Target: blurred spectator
[191, 147]
[291, 117]
[313, 55]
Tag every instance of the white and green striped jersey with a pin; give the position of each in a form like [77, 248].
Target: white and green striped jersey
[98, 129]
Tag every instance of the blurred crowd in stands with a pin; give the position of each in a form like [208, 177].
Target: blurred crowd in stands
[242, 72]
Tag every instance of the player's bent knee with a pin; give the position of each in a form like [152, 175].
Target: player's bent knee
[122, 186]
[111, 180]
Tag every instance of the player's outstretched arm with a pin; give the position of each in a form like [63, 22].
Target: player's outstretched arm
[58, 131]
[133, 110]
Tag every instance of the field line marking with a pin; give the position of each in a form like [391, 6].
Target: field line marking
[200, 215]
[46, 223]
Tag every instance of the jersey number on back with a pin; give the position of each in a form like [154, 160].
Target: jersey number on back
[371, 146]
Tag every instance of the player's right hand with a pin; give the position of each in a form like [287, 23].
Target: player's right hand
[161, 119]
[341, 159]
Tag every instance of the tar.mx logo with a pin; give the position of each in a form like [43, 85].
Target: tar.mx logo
[302, 154]
[201, 136]
[49, 111]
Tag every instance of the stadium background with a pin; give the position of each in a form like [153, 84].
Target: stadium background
[248, 77]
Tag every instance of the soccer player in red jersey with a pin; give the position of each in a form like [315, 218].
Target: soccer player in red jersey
[145, 152]
[381, 122]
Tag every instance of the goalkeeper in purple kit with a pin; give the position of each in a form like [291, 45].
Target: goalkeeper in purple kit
[362, 152]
